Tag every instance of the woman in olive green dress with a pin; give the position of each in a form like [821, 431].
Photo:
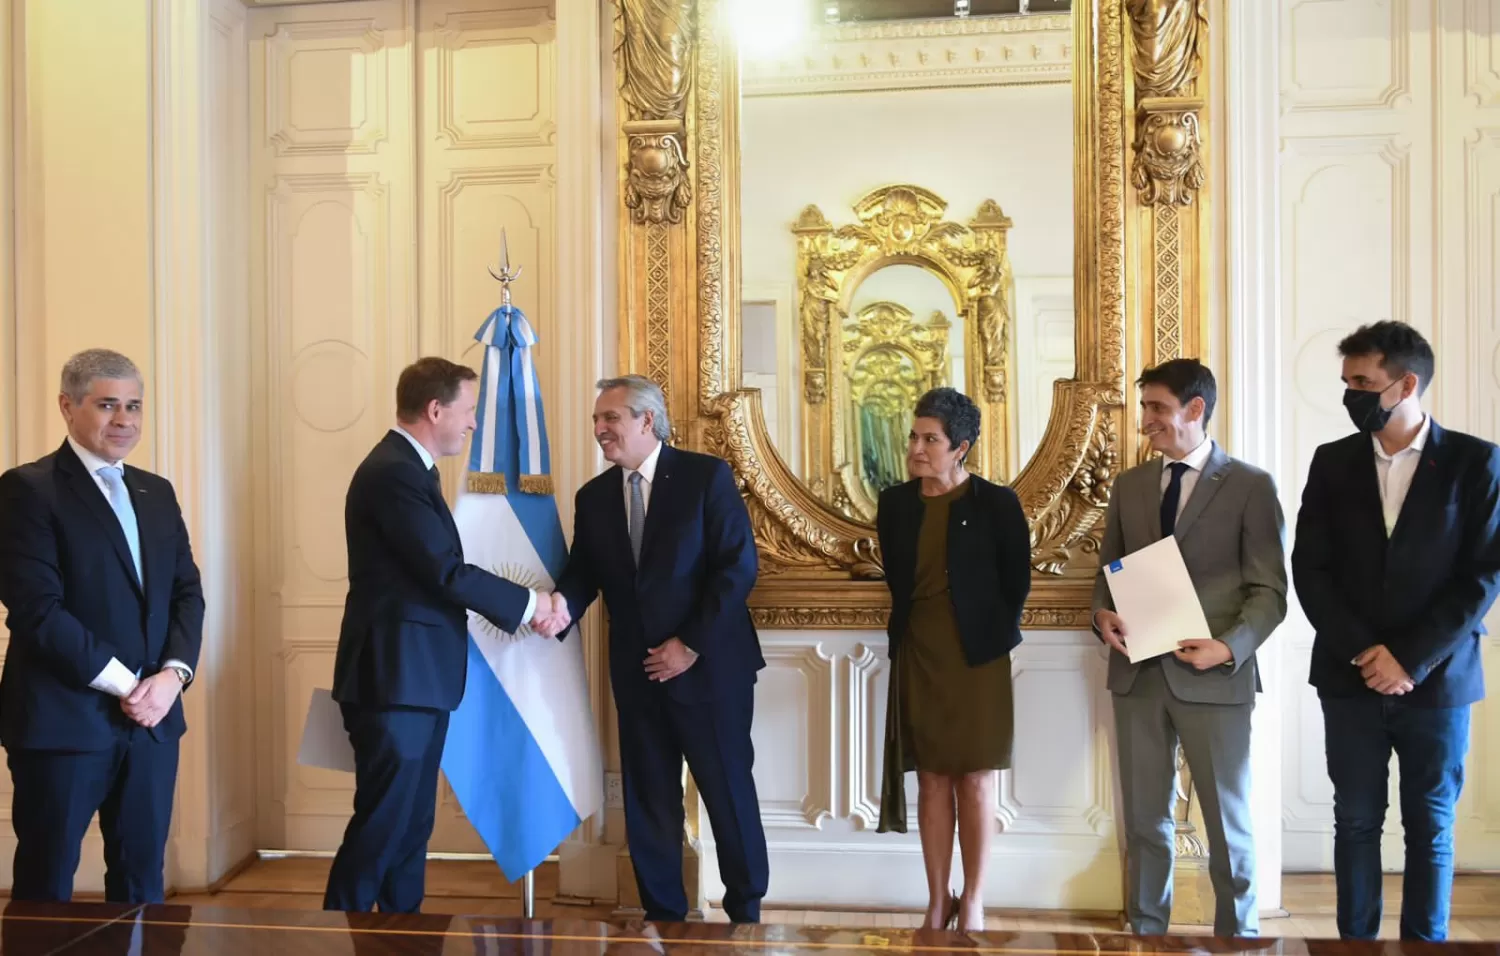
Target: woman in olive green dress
[957, 555]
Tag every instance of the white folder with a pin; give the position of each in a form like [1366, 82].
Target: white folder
[325, 742]
[1155, 597]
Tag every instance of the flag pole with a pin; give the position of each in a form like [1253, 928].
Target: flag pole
[505, 277]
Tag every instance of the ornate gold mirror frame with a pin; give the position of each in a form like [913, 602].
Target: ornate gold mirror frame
[890, 358]
[1141, 289]
[899, 225]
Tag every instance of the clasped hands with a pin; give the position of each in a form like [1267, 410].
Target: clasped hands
[151, 698]
[1382, 672]
[1202, 654]
[551, 616]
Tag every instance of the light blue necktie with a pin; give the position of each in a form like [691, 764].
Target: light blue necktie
[637, 516]
[119, 500]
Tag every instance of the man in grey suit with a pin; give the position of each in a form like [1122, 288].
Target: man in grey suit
[1228, 523]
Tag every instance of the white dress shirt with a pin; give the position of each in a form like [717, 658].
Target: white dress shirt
[116, 678]
[1395, 473]
[428, 463]
[648, 476]
[1196, 460]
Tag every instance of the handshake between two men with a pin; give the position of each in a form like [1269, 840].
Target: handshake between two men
[551, 617]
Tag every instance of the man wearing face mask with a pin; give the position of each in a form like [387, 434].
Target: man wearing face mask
[1397, 560]
[1228, 524]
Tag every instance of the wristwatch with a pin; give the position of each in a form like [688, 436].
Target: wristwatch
[181, 673]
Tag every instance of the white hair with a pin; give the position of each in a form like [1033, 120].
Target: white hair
[643, 395]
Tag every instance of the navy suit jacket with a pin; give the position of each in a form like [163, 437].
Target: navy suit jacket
[1423, 592]
[73, 601]
[698, 565]
[405, 640]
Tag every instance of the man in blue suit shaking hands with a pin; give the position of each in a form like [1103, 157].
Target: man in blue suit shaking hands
[665, 537]
[404, 643]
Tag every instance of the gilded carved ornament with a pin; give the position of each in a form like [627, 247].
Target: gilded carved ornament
[655, 52]
[897, 224]
[890, 359]
[819, 568]
[1169, 37]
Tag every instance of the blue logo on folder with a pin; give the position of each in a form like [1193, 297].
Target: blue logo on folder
[1115, 567]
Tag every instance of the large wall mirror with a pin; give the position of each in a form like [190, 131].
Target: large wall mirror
[903, 229]
[832, 206]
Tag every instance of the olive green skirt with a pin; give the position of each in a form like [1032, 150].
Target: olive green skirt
[942, 716]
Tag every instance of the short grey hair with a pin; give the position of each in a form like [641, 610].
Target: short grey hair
[644, 396]
[79, 372]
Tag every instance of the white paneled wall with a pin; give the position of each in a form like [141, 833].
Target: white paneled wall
[1389, 209]
[389, 143]
[819, 740]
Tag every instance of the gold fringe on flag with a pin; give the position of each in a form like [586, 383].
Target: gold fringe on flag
[487, 483]
[536, 484]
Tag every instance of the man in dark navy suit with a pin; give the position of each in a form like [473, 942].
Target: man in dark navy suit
[1397, 561]
[105, 612]
[665, 536]
[403, 647]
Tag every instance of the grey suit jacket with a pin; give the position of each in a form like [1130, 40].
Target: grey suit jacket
[1231, 532]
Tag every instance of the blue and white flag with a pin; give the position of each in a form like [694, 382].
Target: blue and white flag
[522, 754]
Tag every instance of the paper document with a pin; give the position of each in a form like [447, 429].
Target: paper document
[325, 742]
[1156, 599]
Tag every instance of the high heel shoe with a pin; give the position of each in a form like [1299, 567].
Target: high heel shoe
[950, 921]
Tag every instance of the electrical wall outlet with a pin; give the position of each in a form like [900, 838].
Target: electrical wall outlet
[614, 792]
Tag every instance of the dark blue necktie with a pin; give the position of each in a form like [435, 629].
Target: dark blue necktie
[1171, 497]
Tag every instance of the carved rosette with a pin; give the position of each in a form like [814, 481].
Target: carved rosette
[657, 190]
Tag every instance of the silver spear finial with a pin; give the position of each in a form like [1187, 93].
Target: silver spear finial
[506, 275]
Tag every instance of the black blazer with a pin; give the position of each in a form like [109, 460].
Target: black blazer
[698, 565]
[1423, 592]
[989, 563]
[404, 641]
[69, 586]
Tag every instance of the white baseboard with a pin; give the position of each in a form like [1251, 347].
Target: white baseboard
[1030, 875]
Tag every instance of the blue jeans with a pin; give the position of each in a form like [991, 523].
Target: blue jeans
[1430, 745]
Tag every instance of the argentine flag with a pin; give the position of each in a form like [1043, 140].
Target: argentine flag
[522, 755]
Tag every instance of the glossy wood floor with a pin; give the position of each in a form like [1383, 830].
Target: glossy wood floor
[477, 889]
[84, 929]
